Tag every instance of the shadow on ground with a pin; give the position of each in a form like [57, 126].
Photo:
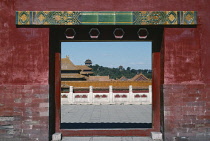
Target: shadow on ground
[104, 125]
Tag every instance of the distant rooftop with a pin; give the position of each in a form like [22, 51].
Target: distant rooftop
[66, 64]
[88, 62]
[139, 77]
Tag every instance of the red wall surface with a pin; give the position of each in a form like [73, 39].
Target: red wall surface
[24, 73]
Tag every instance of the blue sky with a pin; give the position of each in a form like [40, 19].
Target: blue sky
[136, 55]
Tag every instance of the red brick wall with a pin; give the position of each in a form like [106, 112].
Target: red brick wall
[186, 80]
[24, 112]
[24, 67]
[186, 111]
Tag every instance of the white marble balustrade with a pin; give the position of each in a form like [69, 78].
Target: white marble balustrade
[106, 98]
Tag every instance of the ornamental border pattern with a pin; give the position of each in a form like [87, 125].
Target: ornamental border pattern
[106, 18]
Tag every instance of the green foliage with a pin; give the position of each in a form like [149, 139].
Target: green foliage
[116, 73]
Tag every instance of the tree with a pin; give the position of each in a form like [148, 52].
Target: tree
[133, 71]
[128, 68]
[116, 73]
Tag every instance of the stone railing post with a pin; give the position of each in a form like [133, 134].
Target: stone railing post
[90, 97]
[150, 94]
[110, 94]
[130, 95]
[70, 95]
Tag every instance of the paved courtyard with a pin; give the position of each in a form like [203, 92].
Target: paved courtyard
[106, 113]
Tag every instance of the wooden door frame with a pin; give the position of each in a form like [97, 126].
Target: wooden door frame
[155, 35]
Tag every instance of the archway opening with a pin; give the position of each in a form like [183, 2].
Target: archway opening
[82, 36]
[106, 85]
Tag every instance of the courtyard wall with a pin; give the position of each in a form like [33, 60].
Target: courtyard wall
[24, 74]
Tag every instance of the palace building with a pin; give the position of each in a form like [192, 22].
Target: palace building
[81, 76]
[71, 72]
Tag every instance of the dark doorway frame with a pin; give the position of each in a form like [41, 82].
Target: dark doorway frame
[57, 36]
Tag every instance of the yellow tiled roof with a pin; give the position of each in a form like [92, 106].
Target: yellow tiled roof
[139, 77]
[99, 78]
[72, 75]
[66, 64]
[106, 84]
[83, 67]
[86, 72]
[123, 78]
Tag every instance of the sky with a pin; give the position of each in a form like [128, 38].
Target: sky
[136, 55]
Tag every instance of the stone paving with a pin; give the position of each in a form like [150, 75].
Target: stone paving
[106, 113]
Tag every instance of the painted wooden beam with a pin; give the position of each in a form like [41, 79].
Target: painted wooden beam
[106, 18]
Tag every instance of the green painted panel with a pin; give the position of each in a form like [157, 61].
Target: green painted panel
[124, 18]
[88, 17]
[106, 18]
